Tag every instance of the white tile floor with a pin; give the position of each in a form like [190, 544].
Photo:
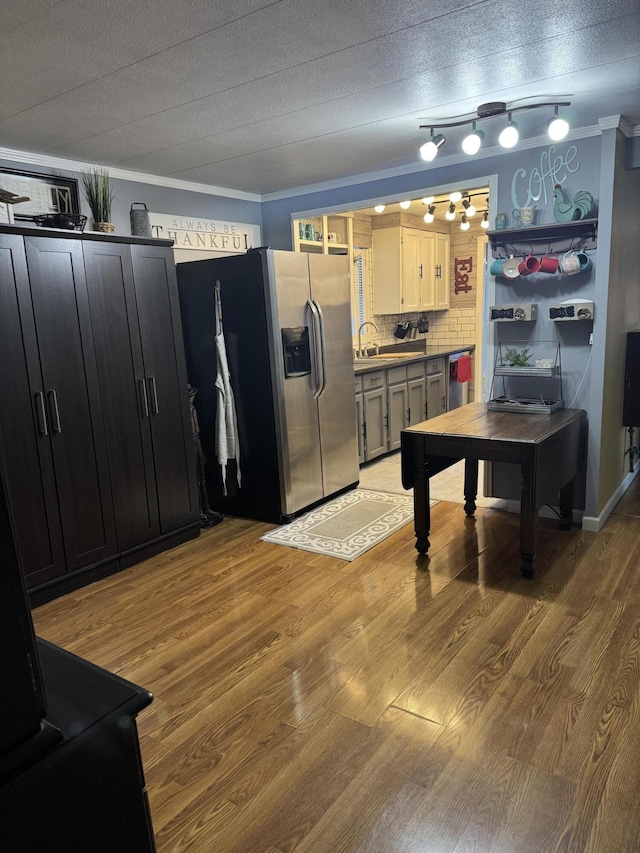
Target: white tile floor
[384, 475]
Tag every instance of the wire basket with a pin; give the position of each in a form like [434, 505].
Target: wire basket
[67, 221]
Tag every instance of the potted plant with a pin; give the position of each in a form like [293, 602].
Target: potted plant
[513, 357]
[97, 189]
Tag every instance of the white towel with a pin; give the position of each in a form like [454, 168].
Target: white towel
[227, 445]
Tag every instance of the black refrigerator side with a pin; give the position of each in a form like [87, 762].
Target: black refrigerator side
[244, 295]
[22, 698]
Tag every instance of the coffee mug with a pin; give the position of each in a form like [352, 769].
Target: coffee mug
[301, 230]
[318, 235]
[496, 266]
[584, 260]
[570, 264]
[332, 237]
[549, 263]
[309, 232]
[510, 267]
[501, 221]
[525, 215]
[528, 265]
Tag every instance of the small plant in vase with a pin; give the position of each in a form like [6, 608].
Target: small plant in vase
[517, 357]
[97, 189]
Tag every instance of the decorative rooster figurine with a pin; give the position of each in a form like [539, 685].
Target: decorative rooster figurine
[565, 210]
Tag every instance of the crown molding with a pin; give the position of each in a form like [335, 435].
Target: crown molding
[51, 162]
[421, 166]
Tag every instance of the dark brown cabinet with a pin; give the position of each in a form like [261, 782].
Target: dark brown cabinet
[94, 426]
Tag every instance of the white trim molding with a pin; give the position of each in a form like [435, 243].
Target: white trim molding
[48, 161]
[594, 523]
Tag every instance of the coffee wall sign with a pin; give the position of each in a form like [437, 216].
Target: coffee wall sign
[205, 235]
[538, 184]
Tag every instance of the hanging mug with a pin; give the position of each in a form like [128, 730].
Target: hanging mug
[570, 263]
[549, 263]
[496, 266]
[528, 265]
[584, 260]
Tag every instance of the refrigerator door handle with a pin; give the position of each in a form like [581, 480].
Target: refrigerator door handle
[316, 359]
[323, 347]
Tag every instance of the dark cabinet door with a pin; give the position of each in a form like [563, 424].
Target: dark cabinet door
[63, 324]
[166, 380]
[24, 428]
[123, 390]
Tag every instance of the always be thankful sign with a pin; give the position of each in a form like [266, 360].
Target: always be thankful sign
[205, 235]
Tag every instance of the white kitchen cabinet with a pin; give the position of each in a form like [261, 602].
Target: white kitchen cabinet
[410, 270]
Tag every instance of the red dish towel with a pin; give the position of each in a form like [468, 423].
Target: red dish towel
[464, 368]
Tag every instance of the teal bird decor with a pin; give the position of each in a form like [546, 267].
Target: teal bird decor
[566, 209]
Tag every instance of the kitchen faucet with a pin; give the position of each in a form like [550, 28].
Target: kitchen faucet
[366, 323]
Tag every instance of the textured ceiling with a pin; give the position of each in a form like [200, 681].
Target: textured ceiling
[266, 95]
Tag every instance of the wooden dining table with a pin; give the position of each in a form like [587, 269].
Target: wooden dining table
[549, 448]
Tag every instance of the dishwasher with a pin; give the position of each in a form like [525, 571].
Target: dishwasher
[458, 391]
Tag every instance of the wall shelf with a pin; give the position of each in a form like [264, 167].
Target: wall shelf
[557, 236]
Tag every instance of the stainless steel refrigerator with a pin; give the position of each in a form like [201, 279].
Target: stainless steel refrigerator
[287, 325]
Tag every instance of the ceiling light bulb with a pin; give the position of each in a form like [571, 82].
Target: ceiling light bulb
[405, 205]
[471, 211]
[484, 222]
[430, 214]
[509, 136]
[455, 196]
[464, 223]
[428, 200]
[557, 127]
[471, 143]
[429, 150]
[379, 208]
[451, 212]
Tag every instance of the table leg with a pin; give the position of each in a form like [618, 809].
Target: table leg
[470, 485]
[567, 494]
[421, 508]
[528, 524]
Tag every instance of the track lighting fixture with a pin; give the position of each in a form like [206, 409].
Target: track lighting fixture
[471, 144]
[557, 127]
[509, 136]
[451, 213]
[379, 208]
[484, 222]
[464, 222]
[430, 214]
[405, 205]
[429, 150]
[469, 209]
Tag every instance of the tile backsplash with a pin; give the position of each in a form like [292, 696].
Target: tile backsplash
[453, 327]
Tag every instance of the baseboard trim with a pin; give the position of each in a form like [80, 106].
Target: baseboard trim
[594, 523]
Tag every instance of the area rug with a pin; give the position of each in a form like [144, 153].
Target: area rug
[347, 526]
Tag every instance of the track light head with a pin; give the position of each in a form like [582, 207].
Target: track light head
[429, 150]
[451, 212]
[471, 143]
[509, 136]
[379, 208]
[430, 214]
[558, 127]
[405, 205]
[469, 209]
[464, 222]
[484, 222]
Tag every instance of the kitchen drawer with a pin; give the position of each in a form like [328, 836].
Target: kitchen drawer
[358, 384]
[415, 370]
[396, 374]
[435, 365]
[375, 379]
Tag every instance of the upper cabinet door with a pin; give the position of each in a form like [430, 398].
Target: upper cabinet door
[70, 384]
[123, 390]
[25, 444]
[410, 270]
[166, 384]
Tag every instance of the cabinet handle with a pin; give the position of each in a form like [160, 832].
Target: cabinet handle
[408, 416]
[420, 274]
[42, 414]
[143, 398]
[154, 394]
[443, 404]
[53, 400]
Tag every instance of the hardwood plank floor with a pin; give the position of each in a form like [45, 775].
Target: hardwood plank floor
[396, 703]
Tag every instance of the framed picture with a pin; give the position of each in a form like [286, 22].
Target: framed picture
[46, 193]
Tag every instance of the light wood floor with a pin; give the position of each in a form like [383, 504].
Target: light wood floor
[395, 703]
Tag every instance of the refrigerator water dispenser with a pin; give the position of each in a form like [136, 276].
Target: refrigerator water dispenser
[295, 346]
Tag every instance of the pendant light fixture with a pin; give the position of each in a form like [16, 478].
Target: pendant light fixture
[558, 127]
